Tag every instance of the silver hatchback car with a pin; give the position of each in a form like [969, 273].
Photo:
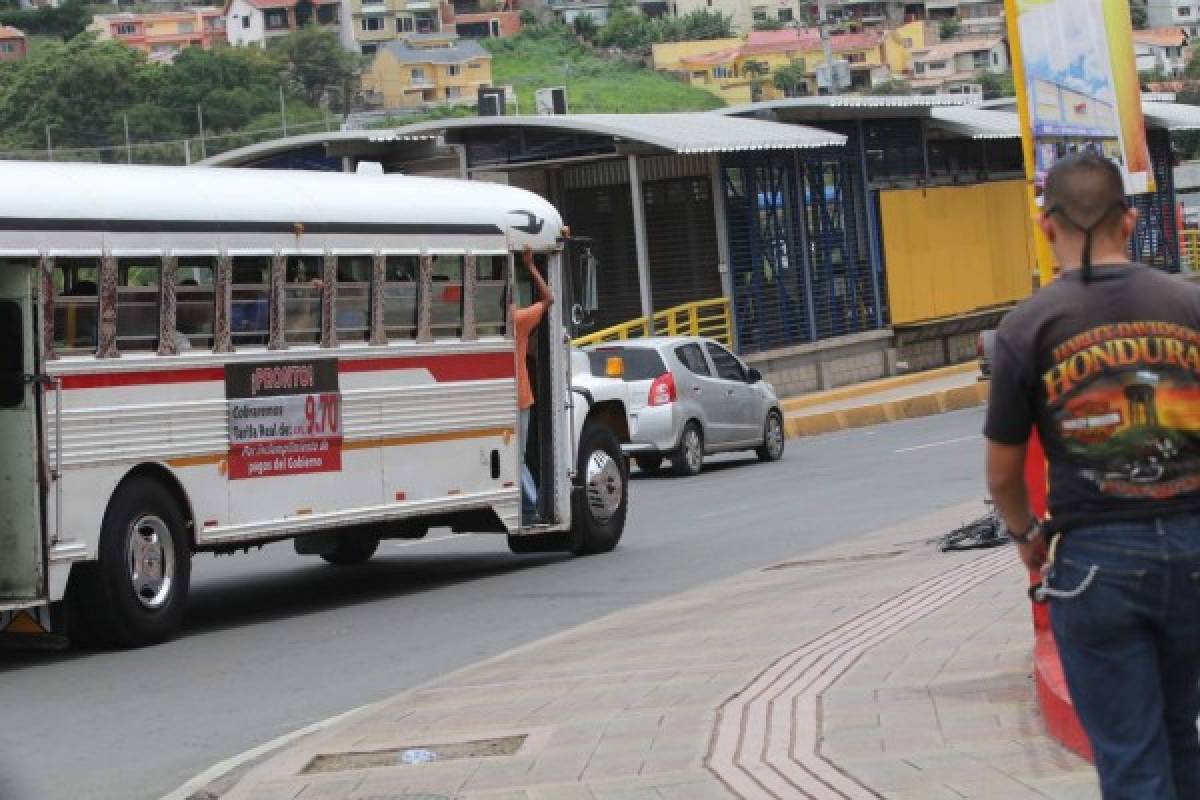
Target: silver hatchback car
[689, 397]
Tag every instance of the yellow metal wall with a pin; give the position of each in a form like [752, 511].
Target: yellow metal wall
[956, 249]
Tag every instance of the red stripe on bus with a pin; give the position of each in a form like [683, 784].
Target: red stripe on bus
[445, 369]
[472, 367]
[108, 380]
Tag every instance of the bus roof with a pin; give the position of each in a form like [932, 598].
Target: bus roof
[117, 198]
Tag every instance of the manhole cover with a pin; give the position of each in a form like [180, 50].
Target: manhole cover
[417, 754]
[818, 562]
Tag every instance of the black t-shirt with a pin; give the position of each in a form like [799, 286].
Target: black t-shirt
[1110, 374]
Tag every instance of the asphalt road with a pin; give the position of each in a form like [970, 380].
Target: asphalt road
[274, 641]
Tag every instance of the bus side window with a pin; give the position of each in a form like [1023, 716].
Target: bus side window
[250, 310]
[491, 294]
[76, 304]
[302, 300]
[195, 300]
[137, 303]
[400, 296]
[447, 298]
[353, 298]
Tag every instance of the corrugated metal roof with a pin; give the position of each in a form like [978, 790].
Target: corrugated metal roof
[977, 123]
[898, 101]
[1171, 116]
[685, 132]
[1158, 115]
[255, 152]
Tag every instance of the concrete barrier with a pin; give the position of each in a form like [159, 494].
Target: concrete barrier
[940, 402]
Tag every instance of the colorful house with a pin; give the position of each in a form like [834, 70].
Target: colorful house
[952, 66]
[375, 23]
[13, 46]
[162, 35]
[420, 71]
[253, 22]
[743, 70]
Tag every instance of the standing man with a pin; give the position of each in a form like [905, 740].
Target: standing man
[526, 321]
[1105, 362]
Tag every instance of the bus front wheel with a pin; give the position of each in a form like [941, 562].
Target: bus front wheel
[134, 593]
[601, 497]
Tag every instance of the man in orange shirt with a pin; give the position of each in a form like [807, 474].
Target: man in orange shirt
[526, 321]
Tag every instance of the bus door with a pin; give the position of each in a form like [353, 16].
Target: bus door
[22, 542]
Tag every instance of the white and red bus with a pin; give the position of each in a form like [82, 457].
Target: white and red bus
[204, 360]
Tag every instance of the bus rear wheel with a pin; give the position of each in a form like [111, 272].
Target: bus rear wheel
[351, 550]
[134, 593]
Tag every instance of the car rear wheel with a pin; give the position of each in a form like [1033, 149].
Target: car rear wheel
[689, 459]
[651, 465]
[773, 438]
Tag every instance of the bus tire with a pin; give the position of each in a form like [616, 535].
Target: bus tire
[134, 593]
[600, 499]
[352, 550]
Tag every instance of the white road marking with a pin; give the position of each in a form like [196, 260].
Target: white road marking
[722, 512]
[959, 440]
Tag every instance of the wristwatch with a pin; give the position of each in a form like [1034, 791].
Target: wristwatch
[1032, 532]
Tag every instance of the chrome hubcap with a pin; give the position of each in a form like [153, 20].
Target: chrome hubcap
[604, 489]
[692, 449]
[150, 558]
[774, 436]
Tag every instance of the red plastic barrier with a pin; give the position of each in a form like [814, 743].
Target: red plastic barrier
[1053, 698]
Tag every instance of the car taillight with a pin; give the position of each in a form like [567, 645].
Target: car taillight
[662, 391]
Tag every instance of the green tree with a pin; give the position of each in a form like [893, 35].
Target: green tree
[78, 90]
[891, 86]
[67, 21]
[768, 24]
[585, 26]
[996, 84]
[791, 79]
[756, 71]
[950, 28]
[1137, 11]
[1192, 70]
[315, 61]
[703, 25]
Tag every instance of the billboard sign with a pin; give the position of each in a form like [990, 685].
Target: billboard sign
[1082, 85]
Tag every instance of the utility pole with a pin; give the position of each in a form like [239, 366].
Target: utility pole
[187, 152]
[200, 119]
[282, 110]
[128, 146]
[826, 45]
[49, 145]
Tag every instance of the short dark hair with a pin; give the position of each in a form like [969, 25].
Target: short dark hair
[1086, 190]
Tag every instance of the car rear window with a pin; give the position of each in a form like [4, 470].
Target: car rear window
[641, 363]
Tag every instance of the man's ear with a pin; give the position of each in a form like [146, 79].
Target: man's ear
[1128, 223]
[1046, 223]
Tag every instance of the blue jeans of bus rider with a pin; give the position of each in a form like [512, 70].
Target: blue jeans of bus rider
[529, 492]
[1130, 646]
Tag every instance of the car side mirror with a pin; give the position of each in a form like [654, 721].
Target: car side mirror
[753, 375]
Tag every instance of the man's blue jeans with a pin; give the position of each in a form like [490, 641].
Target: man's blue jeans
[529, 491]
[1130, 648]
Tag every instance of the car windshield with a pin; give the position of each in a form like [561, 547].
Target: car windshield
[641, 363]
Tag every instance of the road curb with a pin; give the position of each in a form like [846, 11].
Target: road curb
[792, 404]
[925, 405]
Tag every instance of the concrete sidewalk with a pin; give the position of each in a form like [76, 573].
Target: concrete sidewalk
[886, 400]
[880, 669]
